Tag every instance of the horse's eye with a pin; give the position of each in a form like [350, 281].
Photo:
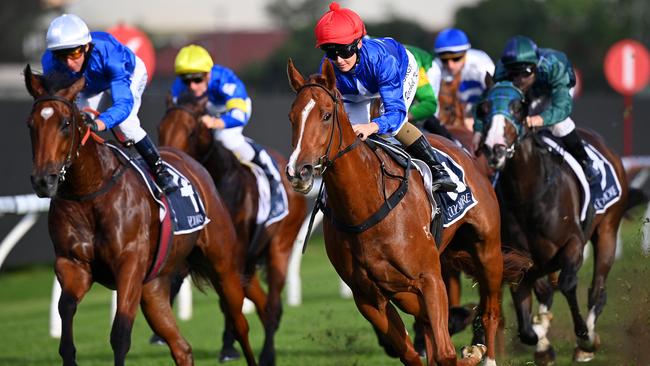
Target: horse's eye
[326, 116]
[65, 123]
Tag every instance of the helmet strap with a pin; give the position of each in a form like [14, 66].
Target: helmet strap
[86, 58]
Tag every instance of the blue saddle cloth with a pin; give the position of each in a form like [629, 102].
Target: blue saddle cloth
[185, 205]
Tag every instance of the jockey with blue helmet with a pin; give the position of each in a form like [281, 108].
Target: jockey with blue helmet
[229, 106]
[457, 59]
[114, 76]
[369, 68]
[547, 79]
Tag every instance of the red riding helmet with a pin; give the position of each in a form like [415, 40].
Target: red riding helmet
[339, 25]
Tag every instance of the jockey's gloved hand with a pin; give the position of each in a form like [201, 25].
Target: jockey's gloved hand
[89, 120]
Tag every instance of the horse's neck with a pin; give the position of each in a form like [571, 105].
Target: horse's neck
[89, 171]
[353, 183]
[526, 172]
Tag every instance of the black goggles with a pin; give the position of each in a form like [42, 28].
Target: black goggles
[520, 70]
[345, 51]
[192, 78]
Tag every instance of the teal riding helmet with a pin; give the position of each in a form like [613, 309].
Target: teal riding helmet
[519, 50]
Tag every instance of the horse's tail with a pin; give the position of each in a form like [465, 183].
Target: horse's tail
[635, 197]
[515, 264]
[200, 269]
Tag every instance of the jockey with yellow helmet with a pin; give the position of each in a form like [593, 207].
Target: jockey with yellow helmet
[229, 107]
[114, 75]
[369, 68]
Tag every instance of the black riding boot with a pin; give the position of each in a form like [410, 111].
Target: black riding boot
[421, 149]
[576, 148]
[148, 151]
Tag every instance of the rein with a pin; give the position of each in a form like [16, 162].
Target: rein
[117, 174]
[324, 162]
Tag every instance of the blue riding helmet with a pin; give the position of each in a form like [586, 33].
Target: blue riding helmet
[451, 40]
[519, 50]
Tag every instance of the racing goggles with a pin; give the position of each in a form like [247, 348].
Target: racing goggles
[70, 53]
[345, 51]
[195, 78]
[520, 70]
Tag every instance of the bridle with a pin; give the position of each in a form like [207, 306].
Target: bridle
[195, 115]
[73, 108]
[324, 161]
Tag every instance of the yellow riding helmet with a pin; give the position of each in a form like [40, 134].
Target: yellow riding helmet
[192, 59]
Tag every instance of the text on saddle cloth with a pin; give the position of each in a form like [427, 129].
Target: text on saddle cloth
[186, 207]
[602, 193]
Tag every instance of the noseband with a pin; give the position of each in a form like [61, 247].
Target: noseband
[324, 161]
[73, 109]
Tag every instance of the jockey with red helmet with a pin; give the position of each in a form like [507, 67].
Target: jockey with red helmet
[115, 76]
[369, 68]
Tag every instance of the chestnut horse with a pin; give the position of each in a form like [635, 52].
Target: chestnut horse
[541, 202]
[395, 261]
[105, 227]
[272, 245]
[452, 112]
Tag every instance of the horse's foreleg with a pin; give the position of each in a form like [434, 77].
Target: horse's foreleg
[128, 282]
[158, 312]
[389, 327]
[522, 300]
[75, 282]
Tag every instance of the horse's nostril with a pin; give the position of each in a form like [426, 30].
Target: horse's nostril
[306, 172]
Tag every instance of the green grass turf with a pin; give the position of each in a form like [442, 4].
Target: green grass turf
[325, 330]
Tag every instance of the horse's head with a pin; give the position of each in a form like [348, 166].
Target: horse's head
[181, 127]
[317, 119]
[55, 128]
[504, 111]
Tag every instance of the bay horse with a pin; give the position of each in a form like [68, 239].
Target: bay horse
[105, 227]
[540, 201]
[272, 245]
[451, 110]
[394, 262]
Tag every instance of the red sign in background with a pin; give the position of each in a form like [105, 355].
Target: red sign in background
[138, 42]
[627, 66]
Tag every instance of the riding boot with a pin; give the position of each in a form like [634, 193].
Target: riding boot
[150, 154]
[575, 147]
[421, 149]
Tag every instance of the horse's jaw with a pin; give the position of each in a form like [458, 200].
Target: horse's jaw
[302, 186]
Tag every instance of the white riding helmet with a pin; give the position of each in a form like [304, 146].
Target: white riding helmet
[67, 31]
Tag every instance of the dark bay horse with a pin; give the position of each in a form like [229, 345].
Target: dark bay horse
[540, 202]
[272, 246]
[394, 262]
[105, 228]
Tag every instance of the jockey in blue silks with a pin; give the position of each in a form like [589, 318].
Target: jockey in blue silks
[229, 106]
[370, 68]
[114, 75]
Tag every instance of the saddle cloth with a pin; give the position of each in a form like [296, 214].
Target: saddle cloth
[273, 204]
[455, 204]
[603, 193]
[184, 205]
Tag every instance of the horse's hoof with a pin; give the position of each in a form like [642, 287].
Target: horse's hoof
[228, 355]
[545, 358]
[460, 317]
[587, 345]
[476, 351]
[580, 355]
[157, 340]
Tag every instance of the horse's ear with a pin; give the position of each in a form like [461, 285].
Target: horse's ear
[489, 81]
[296, 80]
[169, 100]
[71, 92]
[33, 83]
[328, 73]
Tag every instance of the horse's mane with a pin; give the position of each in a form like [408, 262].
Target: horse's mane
[187, 98]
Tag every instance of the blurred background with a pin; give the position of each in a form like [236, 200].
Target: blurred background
[256, 37]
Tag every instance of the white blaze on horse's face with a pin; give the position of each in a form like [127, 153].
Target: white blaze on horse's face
[303, 119]
[497, 133]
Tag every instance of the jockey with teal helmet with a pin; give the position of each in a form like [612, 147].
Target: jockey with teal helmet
[369, 68]
[547, 79]
[457, 59]
[114, 76]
